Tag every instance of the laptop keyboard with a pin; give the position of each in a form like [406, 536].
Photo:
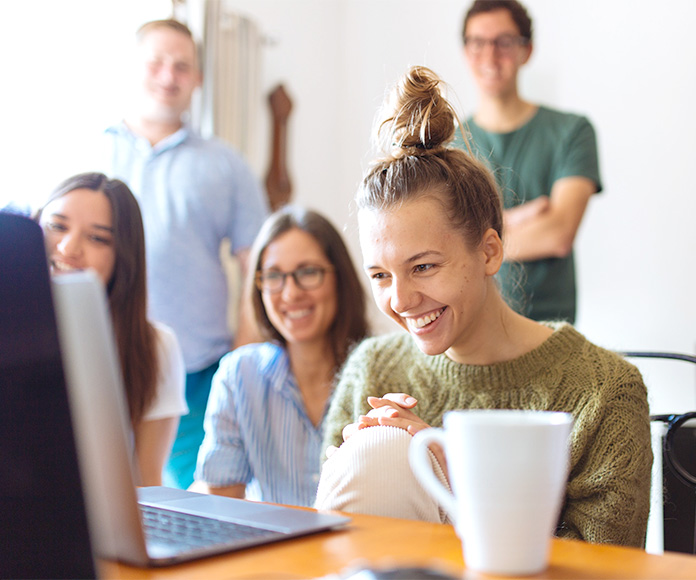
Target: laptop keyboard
[185, 530]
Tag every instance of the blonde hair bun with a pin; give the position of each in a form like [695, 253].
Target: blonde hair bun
[417, 117]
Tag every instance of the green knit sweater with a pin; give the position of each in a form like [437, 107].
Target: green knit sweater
[608, 493]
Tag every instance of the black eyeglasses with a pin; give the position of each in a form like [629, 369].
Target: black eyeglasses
[306, 278]
[505, 43]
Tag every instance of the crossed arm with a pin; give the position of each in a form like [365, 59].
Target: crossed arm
[546, 226]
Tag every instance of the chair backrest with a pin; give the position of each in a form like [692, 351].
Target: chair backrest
[672, 524]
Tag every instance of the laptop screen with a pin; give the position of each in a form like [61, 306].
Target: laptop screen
[43, 523]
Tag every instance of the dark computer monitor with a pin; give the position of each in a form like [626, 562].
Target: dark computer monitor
[43, 524]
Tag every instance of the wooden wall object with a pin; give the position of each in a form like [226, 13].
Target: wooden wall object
[278, 185]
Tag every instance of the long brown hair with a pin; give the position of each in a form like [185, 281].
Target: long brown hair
[136, 339]
[350, 325]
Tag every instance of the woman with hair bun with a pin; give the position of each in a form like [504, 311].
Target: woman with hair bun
[431, 231]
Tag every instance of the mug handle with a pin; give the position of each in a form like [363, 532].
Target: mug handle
[422, 468]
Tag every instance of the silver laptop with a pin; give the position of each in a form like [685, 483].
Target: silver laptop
[136, 525]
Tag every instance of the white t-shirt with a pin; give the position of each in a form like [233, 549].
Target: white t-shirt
[170, 397]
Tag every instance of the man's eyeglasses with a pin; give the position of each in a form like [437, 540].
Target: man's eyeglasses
[306, 278]
[504, 44]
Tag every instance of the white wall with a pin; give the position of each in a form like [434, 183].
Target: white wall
[64, 68]
[629, 65]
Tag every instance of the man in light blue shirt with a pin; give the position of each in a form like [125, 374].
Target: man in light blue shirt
[193, 194]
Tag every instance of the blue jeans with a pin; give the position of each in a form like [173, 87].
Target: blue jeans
[178, 472]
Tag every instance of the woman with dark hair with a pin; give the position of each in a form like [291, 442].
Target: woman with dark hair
[264, 422]
[431, 232]
[90, 221]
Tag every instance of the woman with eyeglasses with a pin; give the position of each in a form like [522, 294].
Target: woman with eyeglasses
[265, 416]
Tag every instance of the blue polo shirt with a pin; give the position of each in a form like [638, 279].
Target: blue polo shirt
[193, 193]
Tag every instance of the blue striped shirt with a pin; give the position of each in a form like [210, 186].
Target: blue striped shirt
[257, 431]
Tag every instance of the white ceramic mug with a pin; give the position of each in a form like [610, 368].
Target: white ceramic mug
[508, 471]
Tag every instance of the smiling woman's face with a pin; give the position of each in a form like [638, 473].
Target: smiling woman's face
[425, 277]
[78, 231]
[299, 315]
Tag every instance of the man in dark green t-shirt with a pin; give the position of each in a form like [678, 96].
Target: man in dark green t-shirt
[545, 162]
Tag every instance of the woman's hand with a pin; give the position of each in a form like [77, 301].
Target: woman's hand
[392, 409]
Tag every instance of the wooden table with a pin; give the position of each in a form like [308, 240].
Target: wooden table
[377, 541]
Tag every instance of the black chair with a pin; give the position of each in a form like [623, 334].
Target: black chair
[679, 467]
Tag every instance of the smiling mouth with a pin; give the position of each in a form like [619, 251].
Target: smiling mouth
[295, 314]
[423, 321]
[164, 92]
[63, 267]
